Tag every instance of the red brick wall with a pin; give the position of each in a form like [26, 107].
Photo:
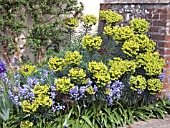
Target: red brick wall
[158, 14]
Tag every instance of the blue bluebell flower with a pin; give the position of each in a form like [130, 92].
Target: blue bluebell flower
[77, 93]
[89, 82]
[32, 81]
[115, 91]
[3, 67]
[156, 105]
[161, 77]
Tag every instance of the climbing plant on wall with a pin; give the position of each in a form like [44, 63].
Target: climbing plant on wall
[46, 17]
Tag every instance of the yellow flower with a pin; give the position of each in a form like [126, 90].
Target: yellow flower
[28, 107]
[107, 91]
[139, 26]
[26, 124]
[89, 19]
[73, 58]
[131, 48]
[90, 90]
[91, 43]
[56, 64]
[71, 23]
[122, 33]
[78, 75]
[43, 100]
[151, 62]
[27, 70]
[99, 73]
[119, 67]
[108, 30]
[138, 82]
[38, 89]
[63, 84]
[154, 85]
[110, 17]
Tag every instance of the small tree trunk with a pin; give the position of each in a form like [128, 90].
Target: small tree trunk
[6, 58]
[39, 55]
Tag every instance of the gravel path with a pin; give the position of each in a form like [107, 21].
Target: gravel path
[152, 123]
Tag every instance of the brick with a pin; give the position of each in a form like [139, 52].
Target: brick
[158, 37]
[159, 23]
[162, 10]
[152, 16]
[162, 31]
[153, 29]
[166, 80]
[166, 86]
[150, 9]
[167, 73]
[164, 52]
[167, 58]
[105, 6]
[164, 44]
[167, 37]
[163, 16]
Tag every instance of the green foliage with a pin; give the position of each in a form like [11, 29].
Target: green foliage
[78, 87]
[47, 27]
[139, 26]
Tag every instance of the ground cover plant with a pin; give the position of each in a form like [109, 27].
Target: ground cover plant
[87, 84]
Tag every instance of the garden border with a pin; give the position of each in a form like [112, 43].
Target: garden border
[157, 12]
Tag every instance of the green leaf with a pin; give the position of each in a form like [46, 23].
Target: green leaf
[88, 121]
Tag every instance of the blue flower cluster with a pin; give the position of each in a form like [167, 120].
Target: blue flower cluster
[115, 91]
[55, 106]
[22, 92]
[77, 93]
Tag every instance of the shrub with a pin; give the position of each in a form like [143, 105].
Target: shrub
[80, 88]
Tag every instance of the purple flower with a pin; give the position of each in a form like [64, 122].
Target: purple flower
[82, 90]
[32, 81]
[77, 93]
[95, 88]
[57, 107]
[169, 97]
[115, 91]
[53, 95]
[161, 77]
[89, 82]
[74, 92]
[156, 105]
[2, 67]
[66, 125]
[140, 91]
[53, 88]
